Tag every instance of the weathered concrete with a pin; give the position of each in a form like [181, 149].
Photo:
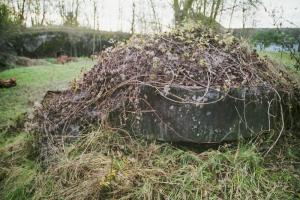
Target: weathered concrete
[214, 118]
[210, 118]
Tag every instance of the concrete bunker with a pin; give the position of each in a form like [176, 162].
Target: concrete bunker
[190, 85]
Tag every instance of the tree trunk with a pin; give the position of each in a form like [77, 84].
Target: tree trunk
[244, 9]
[44, 13]
[176, 8]
[232, 11]
[204, 7]
[77, 10]
[218, 4]
[157, 22]
[212, 9]
[133, 17]
[94, 36]
[22, 12]
[181, 14]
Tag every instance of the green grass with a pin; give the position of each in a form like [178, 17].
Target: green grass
[17, 171]
[110, 165]
[281, 57]
[32, 83]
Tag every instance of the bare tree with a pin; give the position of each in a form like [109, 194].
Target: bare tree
[94, 36]
[133, 17]
[44, 13]
[232, 11]
[199, 10]
[69, 15]
[21, 8]
[76, 9]
[212, 8]
[181, 9]
[217, 8]
[120, 16]
[156, 19]
[35, 9]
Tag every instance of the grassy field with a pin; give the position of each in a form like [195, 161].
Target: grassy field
[33, 82]
[109, 165]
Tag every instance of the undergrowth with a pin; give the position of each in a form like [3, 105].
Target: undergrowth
[105, 164]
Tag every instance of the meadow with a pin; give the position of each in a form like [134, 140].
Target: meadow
[33, 82]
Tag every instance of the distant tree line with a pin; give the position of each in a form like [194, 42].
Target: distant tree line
[35, 11]
[145, 13]
[207, 11]
[286, 37]
[7, 19]
[283, 37]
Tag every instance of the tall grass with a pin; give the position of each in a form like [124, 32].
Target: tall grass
[111, 165]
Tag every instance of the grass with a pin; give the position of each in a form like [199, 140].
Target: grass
[109, 165]
[32, 83]
[105, 164]
[281, 57]
[17, 171]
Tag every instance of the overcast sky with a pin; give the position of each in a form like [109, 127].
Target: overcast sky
[289, 10]
[115, 15]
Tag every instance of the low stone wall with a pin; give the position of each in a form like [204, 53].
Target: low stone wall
[46, 42]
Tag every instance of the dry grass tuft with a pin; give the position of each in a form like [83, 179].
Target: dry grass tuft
[106, 164]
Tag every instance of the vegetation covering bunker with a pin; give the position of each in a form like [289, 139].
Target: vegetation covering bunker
[190, 85]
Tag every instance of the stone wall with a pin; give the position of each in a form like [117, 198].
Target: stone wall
[47, 41]
[74, 42]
